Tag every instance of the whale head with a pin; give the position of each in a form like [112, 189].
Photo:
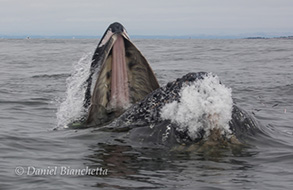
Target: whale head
[120, 76]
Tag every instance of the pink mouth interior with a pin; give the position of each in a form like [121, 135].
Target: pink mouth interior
[119, 83]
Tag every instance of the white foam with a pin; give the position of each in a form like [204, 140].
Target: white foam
[204, 104]
[72, 109]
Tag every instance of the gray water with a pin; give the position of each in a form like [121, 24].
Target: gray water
[33, 84]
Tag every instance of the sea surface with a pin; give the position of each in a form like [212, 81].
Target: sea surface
[36, 152]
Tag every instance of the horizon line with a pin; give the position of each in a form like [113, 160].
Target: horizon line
[200, 36]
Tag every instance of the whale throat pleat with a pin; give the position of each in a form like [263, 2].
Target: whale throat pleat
[119, 81]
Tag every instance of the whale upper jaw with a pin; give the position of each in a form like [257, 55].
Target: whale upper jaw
[115, 28]
[120, 76]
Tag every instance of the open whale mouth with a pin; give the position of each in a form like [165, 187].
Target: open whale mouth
[120, 75]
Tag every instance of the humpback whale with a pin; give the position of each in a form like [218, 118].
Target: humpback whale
[119, 76]
[122, 91]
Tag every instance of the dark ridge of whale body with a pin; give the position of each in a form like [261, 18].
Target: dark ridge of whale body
[145, 124]
[119, 77]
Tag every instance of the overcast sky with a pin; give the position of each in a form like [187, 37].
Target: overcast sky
[148, 17]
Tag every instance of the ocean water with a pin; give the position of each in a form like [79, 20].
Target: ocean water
[34, 78]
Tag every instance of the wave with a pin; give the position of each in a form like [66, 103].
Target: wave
[204, 103]
[25, 102]
[61, 75]
[71, 108]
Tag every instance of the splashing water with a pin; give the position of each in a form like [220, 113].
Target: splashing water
[72, 109]
[204, 105]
